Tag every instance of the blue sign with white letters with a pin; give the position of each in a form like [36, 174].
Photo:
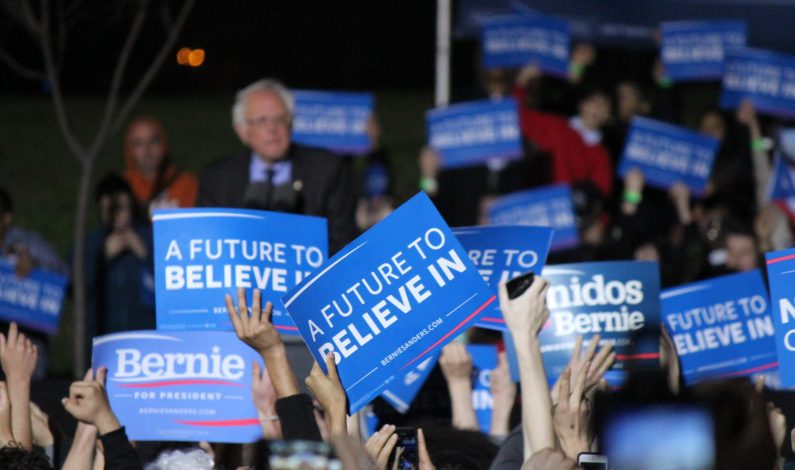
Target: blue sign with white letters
[721, 327]
[782, 180]
[615, 299]
[399, 292]
[203, 254]
[473, 133]
[514, 41]
[668, 154]
[34, 301]
[401, 392]
[502, 253]
[780, 275]
[484, 360]
[550, 206]
[766, 78]
[180, 386]
[335, 121]
[695, 50]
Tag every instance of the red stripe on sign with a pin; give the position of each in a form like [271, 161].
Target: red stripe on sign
[288, 328]
[768, 366]
[168, 383]
[629, 357]
[222, 424]
[492, 320]
[779, 259]
[470, 317]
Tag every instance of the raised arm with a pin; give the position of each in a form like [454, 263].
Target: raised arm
[328, 391]
[456, 366]
[18, 357]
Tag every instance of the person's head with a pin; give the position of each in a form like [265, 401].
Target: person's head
[497, 82]
[594, 109]
[6, 212]
[630, 100]
[742, 249]
[451, 448]
[116, 203]
[191, 459]
[17, 458]
[713, 124]
[145, 146]
[646, 251]
[262, 117]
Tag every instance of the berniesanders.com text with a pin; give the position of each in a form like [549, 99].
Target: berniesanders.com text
[410, 342]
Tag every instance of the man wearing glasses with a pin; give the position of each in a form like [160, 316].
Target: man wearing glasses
[276, 174]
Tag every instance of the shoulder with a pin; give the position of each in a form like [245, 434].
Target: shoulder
[317, 157]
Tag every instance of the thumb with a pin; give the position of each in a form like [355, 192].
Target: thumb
[331, 366]
[89, 375]
[102, 375]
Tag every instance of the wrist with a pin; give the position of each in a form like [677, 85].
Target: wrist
[632, 196]
[107, 423]
[273, 351]
[429, 184]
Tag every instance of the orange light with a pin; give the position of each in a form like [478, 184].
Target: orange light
[196, 57]
[183, 55]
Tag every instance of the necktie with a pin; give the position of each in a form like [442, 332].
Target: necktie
[269, 173]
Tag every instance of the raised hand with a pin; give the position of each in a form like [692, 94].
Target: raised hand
[425, 457]
[329, 392]
[255, 329]
[380, 445]
[600, 363]
[88, 402]
[571, 414]
[264, 396]
[503, 392]
[456, 366]
[526, 314]
[456, 362]
[18, 357]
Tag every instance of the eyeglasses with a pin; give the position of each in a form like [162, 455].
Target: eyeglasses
[282, 120]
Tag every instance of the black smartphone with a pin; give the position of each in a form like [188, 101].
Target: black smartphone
[591, 461]
[518, 285]
[406, 450]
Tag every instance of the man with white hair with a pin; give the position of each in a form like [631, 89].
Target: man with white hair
[275, 173]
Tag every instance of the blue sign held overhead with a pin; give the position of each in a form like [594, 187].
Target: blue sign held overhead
[668, 154]
[502, 253]
[514, 41]
[721, 327]
[695, 50]
[392, 297]
[766, 78]
[782, 181]
[35, 301]
[473, 133]
[780, 275]
[550, 206]
[180, 386]
[484, 360]
[333, 120]
[203, 254]
[401, 392]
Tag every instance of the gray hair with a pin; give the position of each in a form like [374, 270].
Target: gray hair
[266, 84]
[190, 459]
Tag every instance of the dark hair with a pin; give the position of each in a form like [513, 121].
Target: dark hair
[455, 449]
[6, 204]
[112, 184]
[16, 458]
[591, 92]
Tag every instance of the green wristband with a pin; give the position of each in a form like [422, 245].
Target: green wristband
[429, 185]
[665, 82]
[632, 197]
[758, 145]
[576, 69]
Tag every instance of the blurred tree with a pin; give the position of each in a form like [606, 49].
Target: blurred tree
[47, 24]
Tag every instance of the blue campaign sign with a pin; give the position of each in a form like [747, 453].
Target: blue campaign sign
[721, 327]
[203, 254]
[180, 386]
[668, 154]
[484, 360]
[394, 295]
[401, 392]
[34, 301]
[780, 275]
[550, 206]
[782, 181]
[615, 299]
[695, 50]
[333, 120]
[766, 78]
[473, 133]
[502, 253]
[514, 41]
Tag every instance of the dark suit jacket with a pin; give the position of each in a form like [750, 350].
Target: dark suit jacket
[325, 188]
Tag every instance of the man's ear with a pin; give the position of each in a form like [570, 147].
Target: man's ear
[240, 130]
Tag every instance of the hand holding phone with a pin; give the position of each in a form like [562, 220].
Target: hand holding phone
[406, 450]
[592, 461]
[518, 285]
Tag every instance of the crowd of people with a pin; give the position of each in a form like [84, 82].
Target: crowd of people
[572, 133]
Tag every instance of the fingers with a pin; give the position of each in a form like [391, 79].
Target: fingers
[602, 367]
[230, 309]
[425, 458]
[377, 441]
[313, 377]
[383, 456]
[2, 343]
[579, 384]
[89, 375]
[505, 302]
[602, 355]
[331, 367]
[256, 303]
[575, 355]
[102, 374]
[242, 308]
[592, 345]
[565, 384]
[12, 334]
[268, 313]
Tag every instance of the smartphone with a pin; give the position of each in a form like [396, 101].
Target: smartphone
[591, 461]
[405, 450]
[518, 285]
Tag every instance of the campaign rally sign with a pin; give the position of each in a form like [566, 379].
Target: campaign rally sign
[764, 77]
[781, 278]
[203, 254]
[668, 154]
[721, 327]
[550, 206]
[180, 386]
[473, 133]
[616, 299]
[333, 120]
[401, 392]
[782, 181]
[502, 253]
[34, 301]
[484, 360]
[399, 292]
[694, 50]
[514, 41]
